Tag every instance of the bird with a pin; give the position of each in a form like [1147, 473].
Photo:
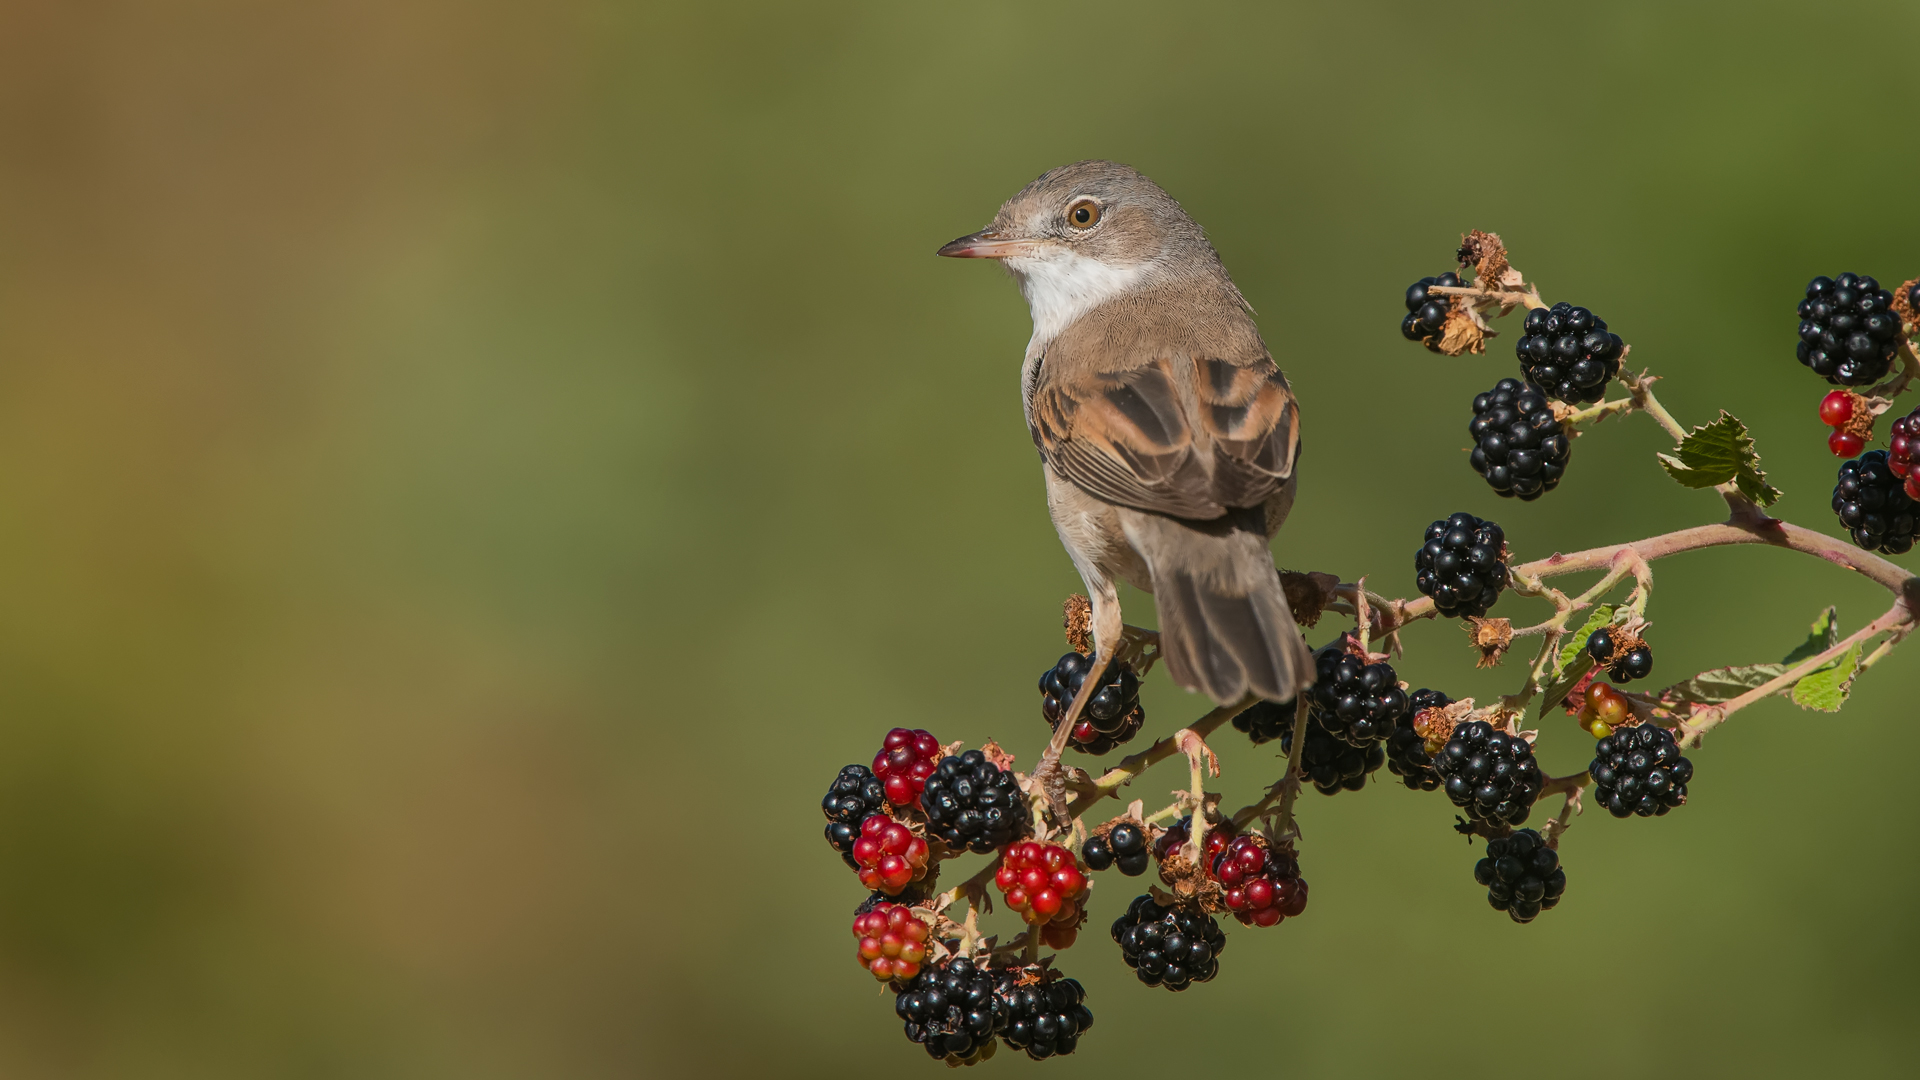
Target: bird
[1168, 437]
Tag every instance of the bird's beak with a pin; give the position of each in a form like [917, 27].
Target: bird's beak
[986, 244]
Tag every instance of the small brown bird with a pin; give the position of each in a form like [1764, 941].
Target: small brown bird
[1168, 436]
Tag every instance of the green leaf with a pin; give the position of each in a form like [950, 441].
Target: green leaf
[1826, 689]
[1721, 684]
[1823, 635]
[1577, 644]
[1717, 453]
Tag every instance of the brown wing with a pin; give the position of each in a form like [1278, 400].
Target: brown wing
[1183, 436]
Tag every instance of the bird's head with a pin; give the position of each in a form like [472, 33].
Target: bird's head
[1084, 233]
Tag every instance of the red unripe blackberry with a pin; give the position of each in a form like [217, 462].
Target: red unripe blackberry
[1263, 884]
[1113, 714]
[1218, 836]
[1873, 503]
[1836, 409]
[906, 758]
[856, 794]
[1903, 450]
[1845, 444]
[893, 942]
[1569, 353]
[1042, 882]
[888, 855]
[1461, 565]
[952, 1010]
[1170, 947]
[1848, 332]
[1490, 774]
[1522, 875]
[1046, 1014]
[1427, 314]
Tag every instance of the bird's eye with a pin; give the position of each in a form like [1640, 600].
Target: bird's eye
[1084, 214]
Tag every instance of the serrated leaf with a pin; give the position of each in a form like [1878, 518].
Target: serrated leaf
[1826, 690]
[1721, 684]
[1602, 616]
[1717, 453]
[1823, 635]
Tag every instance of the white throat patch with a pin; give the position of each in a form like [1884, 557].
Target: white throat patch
[1061, 286]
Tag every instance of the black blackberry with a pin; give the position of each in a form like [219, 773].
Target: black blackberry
[1569, 352]
[952, 1010]
[973, 804]
[1490, 774]
[1407, 756]
[1170, 947]
[1461, 565]
[1265, 721]
[1848, 334]
[855, 794]
[1632, 663]
[1874, 506]
[1046, 1017]
[1519, 447]
[1427, 315]
[1332, 765]
[1639, 770]
[1113, 714]
[1356, 702]
[1125, 846]
[1522, 875]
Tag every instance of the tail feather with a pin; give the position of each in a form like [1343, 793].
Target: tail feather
[1225, 627]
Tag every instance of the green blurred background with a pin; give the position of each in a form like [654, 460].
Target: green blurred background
[471, 472]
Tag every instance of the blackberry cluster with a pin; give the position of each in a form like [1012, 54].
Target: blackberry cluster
[1848, 334]
[1113, 714]
[1461, 565]
[952, 1010]
[855, 794]
[1569, 351]
[1522, 875]
[1407, 756]
[1043, 1018]
[1903, 450]
[1332, 765]
[1125, 846]
[1490, 774]
[1427, 315]
[1628, 665]
[1639, 770]
[1874, 506]
[1170, 947]
[975, 805]
[1357, 702]
[1518, 445]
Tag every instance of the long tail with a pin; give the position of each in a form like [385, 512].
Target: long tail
[1225, 627]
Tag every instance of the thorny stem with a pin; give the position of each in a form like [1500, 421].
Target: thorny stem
[1290, 783]
[1198, 757]
[1133, 765]
[1896, 619]
[1572, 786]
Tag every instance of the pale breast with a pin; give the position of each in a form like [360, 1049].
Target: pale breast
[1090, 530]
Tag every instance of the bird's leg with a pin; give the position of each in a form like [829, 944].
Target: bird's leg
[1108, 635]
